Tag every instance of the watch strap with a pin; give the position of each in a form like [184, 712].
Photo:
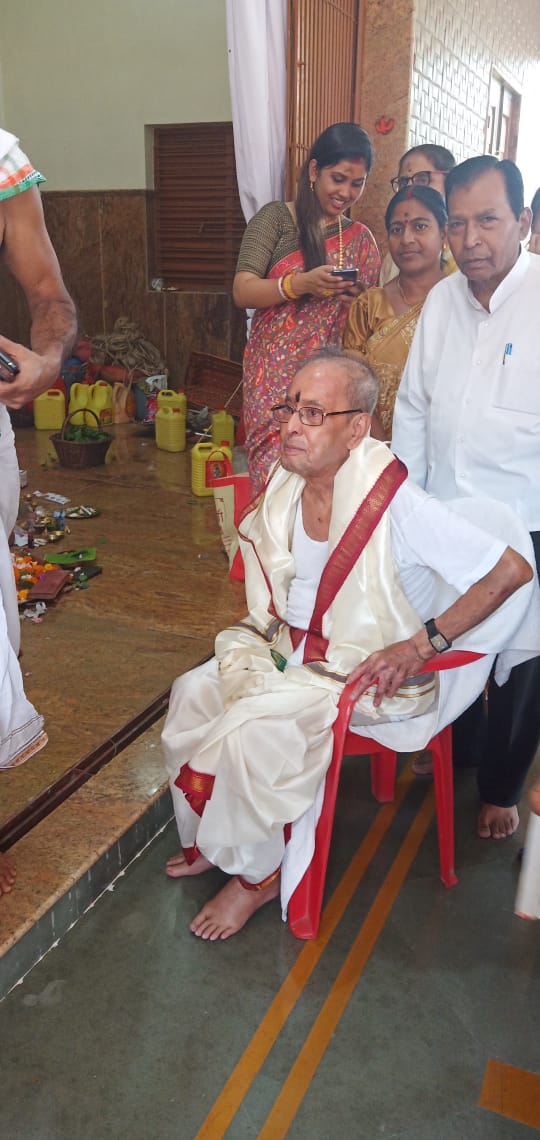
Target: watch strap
[439, 642]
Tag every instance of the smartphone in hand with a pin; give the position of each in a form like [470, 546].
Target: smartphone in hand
[346, 274]
[9, 365]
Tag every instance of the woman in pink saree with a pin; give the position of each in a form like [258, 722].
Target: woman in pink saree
[288, 271]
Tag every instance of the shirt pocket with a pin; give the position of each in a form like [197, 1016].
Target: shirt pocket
[517, 388]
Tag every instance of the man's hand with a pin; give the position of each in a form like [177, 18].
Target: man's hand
[36, 374]
[31, 259]
[387, 669]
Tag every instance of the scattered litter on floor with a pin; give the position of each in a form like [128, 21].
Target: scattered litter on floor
[41, 582]
[82, 513]
[54, 498]
[35, 613]
[39, 524]
[27, 572]
[73, 557]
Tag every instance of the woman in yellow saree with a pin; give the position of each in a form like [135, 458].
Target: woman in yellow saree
[381, 322]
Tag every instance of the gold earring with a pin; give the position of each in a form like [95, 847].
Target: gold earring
[311, 186]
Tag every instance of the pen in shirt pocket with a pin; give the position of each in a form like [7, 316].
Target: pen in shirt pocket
[507, 351]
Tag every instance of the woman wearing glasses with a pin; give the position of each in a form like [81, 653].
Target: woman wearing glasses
[285, 272]
[425, 165]
[381, 323]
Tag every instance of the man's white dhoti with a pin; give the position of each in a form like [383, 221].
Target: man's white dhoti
[21, 727]
[269, 753]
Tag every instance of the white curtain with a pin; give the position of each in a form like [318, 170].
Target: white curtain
[257, 50]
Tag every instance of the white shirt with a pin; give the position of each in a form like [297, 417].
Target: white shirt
[429, 541]
[465, 423]
[310, 558]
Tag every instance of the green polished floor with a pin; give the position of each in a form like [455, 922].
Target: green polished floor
[384, 1027]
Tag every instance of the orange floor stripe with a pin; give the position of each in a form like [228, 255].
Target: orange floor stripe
[287, 1103]
[511, 1092]
[238, 1084]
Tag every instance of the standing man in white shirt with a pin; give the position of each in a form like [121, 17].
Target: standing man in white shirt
[467, 422]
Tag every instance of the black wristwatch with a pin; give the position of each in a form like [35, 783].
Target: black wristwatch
[437, 639]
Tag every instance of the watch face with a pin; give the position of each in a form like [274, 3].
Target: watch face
[439, 642]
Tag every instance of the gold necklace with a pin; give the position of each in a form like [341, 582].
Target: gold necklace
[340, 250]
[405, 299]
[340, 240]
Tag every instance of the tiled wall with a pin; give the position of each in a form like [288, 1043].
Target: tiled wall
[100, 239]
[456, 43]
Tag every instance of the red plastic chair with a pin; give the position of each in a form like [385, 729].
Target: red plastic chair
[304, 910]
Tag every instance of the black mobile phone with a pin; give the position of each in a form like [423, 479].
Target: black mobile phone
[346, 274]
[10, 365]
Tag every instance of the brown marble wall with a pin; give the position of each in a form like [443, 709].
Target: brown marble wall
[385, 86]
[101, 242]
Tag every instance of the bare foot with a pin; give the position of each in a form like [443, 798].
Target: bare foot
[497, 822]
[534, 798]
[422, 764]
[230, 909]
[8, 874]
[178, 868]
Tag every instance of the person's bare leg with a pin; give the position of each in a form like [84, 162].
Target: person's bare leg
[497, 822]
[534, 797]
[422, 764]
[178, 868]
[8, 874]
[230, 909]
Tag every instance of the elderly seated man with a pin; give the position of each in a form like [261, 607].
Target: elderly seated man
[336, 549]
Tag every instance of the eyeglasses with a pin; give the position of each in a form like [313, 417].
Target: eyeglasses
[309, 416]
[421, 178]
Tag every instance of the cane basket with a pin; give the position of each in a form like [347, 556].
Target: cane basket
[80, 453]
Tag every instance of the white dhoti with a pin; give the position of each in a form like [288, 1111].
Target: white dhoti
[268, 752]
[21, 727]
[9, 508]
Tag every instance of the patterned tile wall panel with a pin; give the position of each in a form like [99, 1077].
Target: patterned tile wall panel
[456, 43]
[100, 238]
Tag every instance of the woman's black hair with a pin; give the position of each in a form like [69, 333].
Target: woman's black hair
[339, 142]
[439, 157]
[535, 205]
[431, 199]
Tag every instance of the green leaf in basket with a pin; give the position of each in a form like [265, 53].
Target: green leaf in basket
[76, 433]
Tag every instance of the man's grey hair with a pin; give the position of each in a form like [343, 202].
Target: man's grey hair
[362, 383]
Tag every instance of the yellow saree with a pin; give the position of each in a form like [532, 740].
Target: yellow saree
[374, 330]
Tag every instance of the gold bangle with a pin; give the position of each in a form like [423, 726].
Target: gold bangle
[287, 287]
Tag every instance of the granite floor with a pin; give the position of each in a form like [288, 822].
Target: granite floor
[102, 655]
[414, 1016]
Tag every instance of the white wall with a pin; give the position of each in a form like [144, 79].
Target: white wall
[528, 152]
[81, 78]
[2, 116]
